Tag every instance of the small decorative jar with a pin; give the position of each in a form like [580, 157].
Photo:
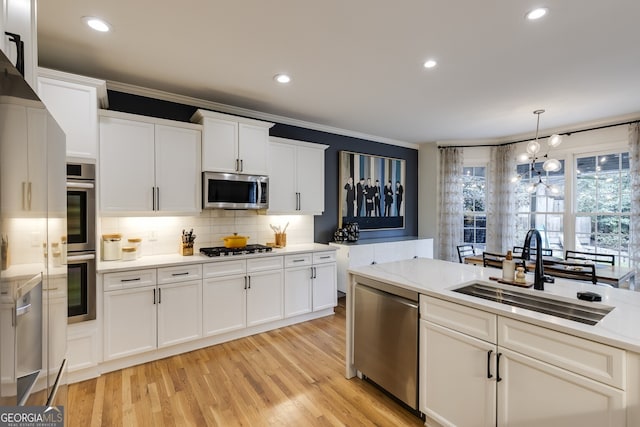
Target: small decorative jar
[129, 253]
[111, 247]
[136, 242]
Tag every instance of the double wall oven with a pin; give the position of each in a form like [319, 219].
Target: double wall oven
[81, 246]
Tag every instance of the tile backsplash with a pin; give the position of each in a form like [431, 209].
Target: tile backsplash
[161, 235]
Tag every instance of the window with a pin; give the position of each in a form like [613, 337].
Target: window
[540, 208]
[475, 216]
[603, 205]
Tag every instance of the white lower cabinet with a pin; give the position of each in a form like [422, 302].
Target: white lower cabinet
[224, 304]
[310, 283]
[130, 322]
[510, 373]
[242, 293]
[179, 312]
[142, 318]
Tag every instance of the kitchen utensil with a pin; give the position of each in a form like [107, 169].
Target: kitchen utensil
[235, 241]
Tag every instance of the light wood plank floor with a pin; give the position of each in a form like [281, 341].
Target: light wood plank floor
[292, 376]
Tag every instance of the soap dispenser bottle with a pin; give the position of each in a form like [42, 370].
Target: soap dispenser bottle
[508, 268]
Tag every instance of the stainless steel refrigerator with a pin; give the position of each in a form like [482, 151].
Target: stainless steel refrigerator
[33, 274]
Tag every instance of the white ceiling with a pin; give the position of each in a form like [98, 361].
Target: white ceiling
[357, 64]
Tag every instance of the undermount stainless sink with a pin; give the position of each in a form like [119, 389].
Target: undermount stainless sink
[583, 313]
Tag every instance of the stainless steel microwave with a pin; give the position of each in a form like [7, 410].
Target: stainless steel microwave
[234, 191]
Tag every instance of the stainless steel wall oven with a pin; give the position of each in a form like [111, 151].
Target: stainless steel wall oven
[81, 229]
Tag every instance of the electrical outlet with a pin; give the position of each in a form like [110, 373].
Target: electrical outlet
[36, 239]
[153, 235]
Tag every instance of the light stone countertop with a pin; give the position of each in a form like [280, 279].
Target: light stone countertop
[155, 261]
[436, 278]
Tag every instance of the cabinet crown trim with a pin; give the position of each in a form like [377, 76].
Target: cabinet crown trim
[147, 119]
[99, 85]
[200, 115]
[297, 143]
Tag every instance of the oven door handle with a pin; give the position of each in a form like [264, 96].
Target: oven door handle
[87, 257]
[82, 185]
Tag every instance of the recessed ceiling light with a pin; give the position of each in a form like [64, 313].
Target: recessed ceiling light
[97, 24]
[430, 63]
[282, 78]
[536, 13]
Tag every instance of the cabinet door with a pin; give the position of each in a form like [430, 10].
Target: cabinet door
[129, 322]
[179, 312]
[177, 159]
[126, 165]
[13, 173]
[219, 145]
[325, 292]
[535, 393]
[310, 179]
[297, 291]
[223, 304]
[457, 369]
[264, 297]
[74, 107]
[253, 149]
[282, 178]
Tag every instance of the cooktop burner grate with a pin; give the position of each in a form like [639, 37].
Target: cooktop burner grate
[222, 251]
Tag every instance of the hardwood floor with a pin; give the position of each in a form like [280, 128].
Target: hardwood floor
[292, 376]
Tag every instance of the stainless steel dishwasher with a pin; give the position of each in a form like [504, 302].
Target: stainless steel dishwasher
[386, 338]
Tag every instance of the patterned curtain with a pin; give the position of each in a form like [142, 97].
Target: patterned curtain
[451, 199]
[501, 199]
[634, 232]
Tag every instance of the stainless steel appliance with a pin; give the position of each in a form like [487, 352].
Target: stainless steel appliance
[81, 237]
[33, 225]
[234, 191]
[385, 334]
[223, 251]
[81, 207]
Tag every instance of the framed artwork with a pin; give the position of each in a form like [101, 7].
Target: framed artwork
[371, 191]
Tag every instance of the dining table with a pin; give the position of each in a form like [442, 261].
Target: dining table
[616, 276]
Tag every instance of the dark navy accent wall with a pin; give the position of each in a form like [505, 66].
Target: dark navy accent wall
[326, 223]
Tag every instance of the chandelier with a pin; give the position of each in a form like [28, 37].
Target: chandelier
[533, 155]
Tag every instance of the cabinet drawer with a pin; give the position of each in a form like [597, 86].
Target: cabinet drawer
[299, 260]
[470, 321]
[225, 268]
[263, 264]
[180, 273]
[324, 257]
[588, 358]
[129, 279]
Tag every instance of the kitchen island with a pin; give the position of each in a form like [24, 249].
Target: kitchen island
[510, 365]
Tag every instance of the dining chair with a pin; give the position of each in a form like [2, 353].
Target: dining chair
[572, 270]
[590, 256]
[464, 251]
[490, 259]
[519, 250]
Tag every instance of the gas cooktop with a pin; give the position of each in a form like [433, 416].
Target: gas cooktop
[222, 251]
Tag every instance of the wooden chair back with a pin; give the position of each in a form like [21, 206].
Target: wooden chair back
[572, 270]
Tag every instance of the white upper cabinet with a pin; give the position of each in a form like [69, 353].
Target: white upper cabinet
[233, 144]
[74, 101]
[19, 18]
[296, 177]
[148, 167]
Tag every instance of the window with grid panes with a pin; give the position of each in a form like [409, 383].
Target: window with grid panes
[603, 205]
[475, 216]
[540, 208]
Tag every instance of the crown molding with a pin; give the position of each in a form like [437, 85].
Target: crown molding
[230, 109]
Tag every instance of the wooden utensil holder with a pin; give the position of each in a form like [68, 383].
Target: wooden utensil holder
[281, 240]
[186, 249]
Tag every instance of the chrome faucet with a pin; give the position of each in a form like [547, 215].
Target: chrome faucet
[538, 274]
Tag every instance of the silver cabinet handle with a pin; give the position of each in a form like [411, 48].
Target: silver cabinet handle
[81, 257]
[81, 185]
[237, 165]
[21, 311]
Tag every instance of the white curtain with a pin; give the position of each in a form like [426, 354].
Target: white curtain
[634, 232]
[501, 199]
[451, 222]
